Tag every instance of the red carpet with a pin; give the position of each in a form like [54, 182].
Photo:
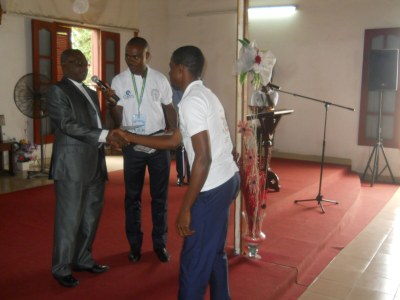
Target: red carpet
[300, 240]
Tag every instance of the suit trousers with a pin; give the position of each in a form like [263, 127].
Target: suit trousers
[78, 210]
[203, 257]
[182, 163]
[158, 164]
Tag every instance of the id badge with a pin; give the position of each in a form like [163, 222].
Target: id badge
[139, 123]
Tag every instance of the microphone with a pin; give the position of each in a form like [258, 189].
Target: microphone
[103, 86]
[273, 86]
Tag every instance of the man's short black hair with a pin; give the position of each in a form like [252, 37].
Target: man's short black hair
[68, 53]
[139, 41]
[191, 57]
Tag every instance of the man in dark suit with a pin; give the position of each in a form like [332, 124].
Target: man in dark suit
[78, 168]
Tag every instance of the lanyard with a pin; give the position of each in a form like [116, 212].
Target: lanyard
[139, 99]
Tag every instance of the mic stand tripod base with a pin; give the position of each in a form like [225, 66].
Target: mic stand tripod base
[319, 199]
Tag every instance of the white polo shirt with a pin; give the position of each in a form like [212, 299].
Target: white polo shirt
[201, 110]
[157, 91]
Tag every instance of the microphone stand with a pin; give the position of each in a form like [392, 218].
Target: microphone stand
[319, 198]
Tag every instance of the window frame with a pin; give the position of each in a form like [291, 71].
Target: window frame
[363, 140]
[54, 29]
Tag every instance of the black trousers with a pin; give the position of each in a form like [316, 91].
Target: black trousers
[135, 164]
[182, 163]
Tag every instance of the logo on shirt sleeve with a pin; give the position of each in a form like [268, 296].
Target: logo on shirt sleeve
[155, 95]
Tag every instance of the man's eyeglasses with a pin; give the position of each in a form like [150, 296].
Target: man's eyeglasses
[78, 63]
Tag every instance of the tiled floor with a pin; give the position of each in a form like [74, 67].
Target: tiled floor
[368, 268]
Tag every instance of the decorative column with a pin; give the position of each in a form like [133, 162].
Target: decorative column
[241, 112]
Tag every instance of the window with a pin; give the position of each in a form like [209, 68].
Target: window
[49, 40]
[380, 94]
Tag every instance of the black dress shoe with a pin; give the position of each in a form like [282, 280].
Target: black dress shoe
[135, 256]
[162, 254]
[67, 281]
[96, 268]
[179, 182]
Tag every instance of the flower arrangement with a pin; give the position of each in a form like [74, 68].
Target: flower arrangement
[25, 151]
[253, 189]
[259, 64]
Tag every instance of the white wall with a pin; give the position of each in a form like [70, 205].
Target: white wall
[215, 35]
[167, 26]
[319, 53]
[154, 28]
[15, 62]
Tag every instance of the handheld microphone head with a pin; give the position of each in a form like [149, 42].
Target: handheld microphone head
[104, 87]
[96, 80]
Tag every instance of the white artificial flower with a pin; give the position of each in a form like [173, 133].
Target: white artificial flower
[256, 62]
[265, 61]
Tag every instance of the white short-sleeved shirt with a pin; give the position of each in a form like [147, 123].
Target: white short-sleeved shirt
[201, 110]
[157, 91]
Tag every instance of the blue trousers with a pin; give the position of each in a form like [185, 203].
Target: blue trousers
[203, 258]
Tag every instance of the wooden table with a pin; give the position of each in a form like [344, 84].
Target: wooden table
[268, 122]
[7, 147]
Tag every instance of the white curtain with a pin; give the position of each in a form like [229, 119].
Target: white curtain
[110, 13]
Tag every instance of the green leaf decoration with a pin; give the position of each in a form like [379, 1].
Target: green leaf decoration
[256, 81]
[245, 42]
[243, 77]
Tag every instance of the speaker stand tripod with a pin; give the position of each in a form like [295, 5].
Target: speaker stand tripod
[319, 198]
[375, 151]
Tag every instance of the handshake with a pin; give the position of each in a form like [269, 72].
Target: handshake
[119, 138]
[165, 140]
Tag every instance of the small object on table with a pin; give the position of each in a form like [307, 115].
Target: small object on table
[7, 147]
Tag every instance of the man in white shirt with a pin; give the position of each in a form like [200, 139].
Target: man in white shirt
[145, 94]
[214, 183]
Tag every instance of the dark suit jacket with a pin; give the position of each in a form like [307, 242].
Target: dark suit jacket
[76, 152]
